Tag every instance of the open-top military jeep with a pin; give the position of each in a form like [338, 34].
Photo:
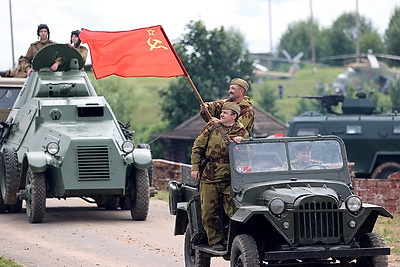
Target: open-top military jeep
[62, 140]
[284, 215]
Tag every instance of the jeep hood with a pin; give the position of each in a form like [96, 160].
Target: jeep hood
[291, 194]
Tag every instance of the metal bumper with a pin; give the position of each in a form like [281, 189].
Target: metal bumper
[324, 252]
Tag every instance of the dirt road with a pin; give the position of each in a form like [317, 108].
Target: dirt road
[76, 233]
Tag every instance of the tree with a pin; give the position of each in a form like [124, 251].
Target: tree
[392, 34]
[296, 39]
[344, 34]
[212, 59]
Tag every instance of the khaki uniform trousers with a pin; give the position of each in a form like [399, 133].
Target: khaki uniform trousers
[212, 197]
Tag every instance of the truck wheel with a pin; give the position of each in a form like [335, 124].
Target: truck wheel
[385, 169]
[10, 179]
[372, 240]
[36, 196]
[194, 257]
[140, 197]
[244, 252]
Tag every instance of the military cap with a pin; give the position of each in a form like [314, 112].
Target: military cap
[242, 83]
[303, 147]
[232, 106]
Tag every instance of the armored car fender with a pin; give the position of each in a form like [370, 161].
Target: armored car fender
[38, 161]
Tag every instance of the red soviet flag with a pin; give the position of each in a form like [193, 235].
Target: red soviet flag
[144, 52]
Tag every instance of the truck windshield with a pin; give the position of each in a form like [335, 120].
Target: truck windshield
[284, 156]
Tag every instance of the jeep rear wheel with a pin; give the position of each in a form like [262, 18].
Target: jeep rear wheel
[194, 257]
[244, 252]
[10, 178]
[36, 196]
[385, 169]
[372, 240]
[140, 195]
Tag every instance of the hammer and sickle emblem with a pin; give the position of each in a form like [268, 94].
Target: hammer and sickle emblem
[156, 44]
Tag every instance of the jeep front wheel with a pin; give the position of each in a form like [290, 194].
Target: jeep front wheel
[372, 240]
[194, 257]
[244, 252]
[140, 195]
[35, 196]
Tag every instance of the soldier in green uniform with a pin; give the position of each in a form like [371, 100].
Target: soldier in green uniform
[76, 43]
[215, 180]
[303, 158]
[43, 32]
[237, 93]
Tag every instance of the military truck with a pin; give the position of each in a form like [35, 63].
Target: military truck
[284, 216]
[372, 140]
[62, 140]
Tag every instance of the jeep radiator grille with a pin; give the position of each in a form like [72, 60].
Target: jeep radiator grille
[318, 222]
[93, 163]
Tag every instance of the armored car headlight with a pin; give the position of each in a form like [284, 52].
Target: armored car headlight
[128, 146]
[277, 206]
[353, 204]
[52, 148]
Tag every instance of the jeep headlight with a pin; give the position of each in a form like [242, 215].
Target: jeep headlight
[52, 148]
[128, 146]
[277, 206]
[353, 204]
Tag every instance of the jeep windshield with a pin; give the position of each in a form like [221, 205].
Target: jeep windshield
[289, 158]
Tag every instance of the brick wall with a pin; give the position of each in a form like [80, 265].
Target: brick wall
[384, 193]
[165, 171]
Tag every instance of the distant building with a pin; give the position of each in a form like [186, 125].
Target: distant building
[178, 142]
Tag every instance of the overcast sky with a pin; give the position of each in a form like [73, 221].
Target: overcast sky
[250, 17]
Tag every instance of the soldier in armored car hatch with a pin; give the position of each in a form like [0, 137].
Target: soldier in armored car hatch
[43, 33]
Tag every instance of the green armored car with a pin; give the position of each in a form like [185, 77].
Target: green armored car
[62, 140]
[286, 213]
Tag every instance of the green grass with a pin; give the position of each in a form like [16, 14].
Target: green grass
[9, 263]
[390, 231]
[304, 83]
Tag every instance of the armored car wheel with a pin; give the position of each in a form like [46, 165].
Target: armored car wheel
[139, 195]
[244, 252]
[35, 196]
[10, 175]
[372, 240]
[385, 169]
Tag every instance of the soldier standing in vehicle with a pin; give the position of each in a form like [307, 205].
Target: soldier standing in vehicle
[215, 180]
[76, 43]
[237, 93]
[43, 32]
